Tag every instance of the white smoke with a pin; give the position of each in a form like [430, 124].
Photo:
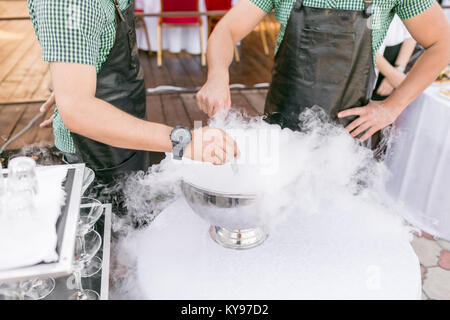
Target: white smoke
[320, 164]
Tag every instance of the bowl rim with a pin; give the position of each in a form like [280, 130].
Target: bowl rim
[216, 193]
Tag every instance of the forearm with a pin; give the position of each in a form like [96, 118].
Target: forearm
[232, 28]
[394, 77]
[220, 52]
[406, 52]
[101, 121]
[421, 76]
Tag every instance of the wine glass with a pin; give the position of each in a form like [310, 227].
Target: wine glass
[85, 251]
[7, 292]
[37, 289]
[90, 211]
[88, 178]
[22, 187]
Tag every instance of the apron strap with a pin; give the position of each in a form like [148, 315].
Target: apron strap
[298, 5]
[116, 4]
[368, 8]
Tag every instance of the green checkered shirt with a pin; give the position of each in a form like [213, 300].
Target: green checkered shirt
[77, 31]
[383, 12]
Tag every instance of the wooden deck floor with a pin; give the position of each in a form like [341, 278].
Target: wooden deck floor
[25, 79]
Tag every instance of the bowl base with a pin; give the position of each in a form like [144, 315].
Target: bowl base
[238, 239]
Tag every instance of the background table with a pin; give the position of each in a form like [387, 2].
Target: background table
[174, 39]
[419, 160]
[334, 254]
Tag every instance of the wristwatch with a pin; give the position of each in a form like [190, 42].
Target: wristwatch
[400, 68]
[180, 137]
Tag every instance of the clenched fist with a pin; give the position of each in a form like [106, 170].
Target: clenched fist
[214, 95]
[211, 145]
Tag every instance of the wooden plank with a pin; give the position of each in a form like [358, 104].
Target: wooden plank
[9, 116]
[28, 137]
[174, 111]
[43, 91]
[160, 75]
[255, 98]
[32, 80]
[155, 111]
[193, 68]
[239, 102]
[14, 58]
[44, 134]
[145, 64]
[177, 72]
[22, 79]
[13, 8]
[194, 113]
[11, 36]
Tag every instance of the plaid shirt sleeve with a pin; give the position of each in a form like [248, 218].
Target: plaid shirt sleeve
[265, 5]
[407, 9]
[69, 30]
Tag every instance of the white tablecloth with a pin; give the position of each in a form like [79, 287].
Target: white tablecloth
[174, 39]
[420, 162]
[335, 254]
[26, 240]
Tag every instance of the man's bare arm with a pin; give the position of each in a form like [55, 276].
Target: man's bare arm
[83, 113]
[232, 28]
[431, 30]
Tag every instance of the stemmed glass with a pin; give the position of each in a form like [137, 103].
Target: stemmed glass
[84, 252]
[90, 211]
[10, 291]
[37, 289]
[34, 289]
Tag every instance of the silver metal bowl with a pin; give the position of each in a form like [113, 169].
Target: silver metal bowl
[234, 218]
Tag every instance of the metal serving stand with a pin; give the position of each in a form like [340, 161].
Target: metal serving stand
[61, 269]
[65, 228]
[65, 286]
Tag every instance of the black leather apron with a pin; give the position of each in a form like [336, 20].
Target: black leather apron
[121, 83]
[325, 59]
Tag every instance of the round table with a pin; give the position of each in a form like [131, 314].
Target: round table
[174, 39]
[419, 159]
[337, 254]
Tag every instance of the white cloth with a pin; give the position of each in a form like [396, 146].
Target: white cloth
[174, 39]
[420, 162]
[27, 240]
[396, 34]
[331, 255]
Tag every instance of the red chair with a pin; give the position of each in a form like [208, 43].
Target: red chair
[219, 5]
[140, 23]
[180, 5]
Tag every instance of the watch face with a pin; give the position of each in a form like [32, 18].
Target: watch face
[180, 135]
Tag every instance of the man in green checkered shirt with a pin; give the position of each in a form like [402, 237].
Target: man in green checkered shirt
[99, 89]
[325, 55]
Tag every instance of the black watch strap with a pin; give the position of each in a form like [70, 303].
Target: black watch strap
[177, 150]
[180, 137]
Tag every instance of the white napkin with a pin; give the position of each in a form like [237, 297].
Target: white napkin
[28, 240]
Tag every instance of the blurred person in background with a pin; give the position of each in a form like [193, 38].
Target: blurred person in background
[392, 59]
